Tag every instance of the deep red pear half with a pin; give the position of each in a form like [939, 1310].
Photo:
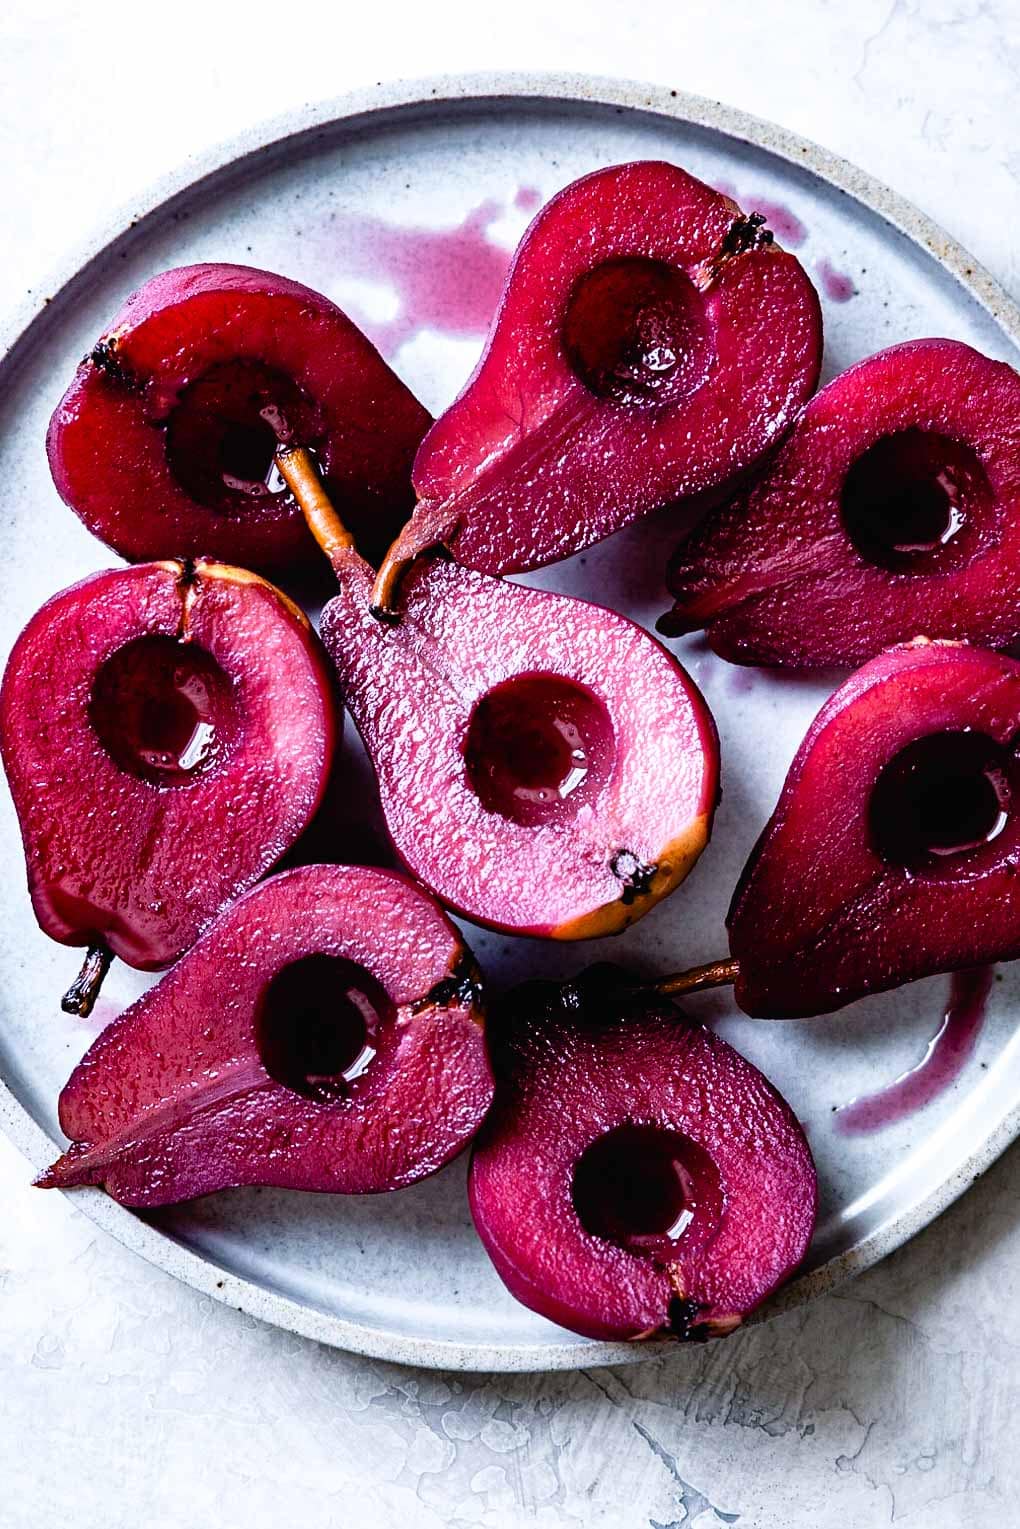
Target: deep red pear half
[163, 444]
[891, 510]
[894, 850]
[651, 343]
[676, 1125]
[545, 767]
[183, 1095]
[167, 732]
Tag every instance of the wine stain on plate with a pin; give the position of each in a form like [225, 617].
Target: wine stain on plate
[740, 681]
[949, 1050]
[447, 280]
[837, 285]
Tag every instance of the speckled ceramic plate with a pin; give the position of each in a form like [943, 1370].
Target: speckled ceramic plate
[403, 204]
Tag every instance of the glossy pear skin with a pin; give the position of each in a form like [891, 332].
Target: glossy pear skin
[569, 1075]
[595, 861]
[823, 915]
[143, 861]
[174, 1100]
[531, 463]
[808, 567]
[208, 340]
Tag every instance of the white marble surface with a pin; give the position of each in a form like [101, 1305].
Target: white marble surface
[127, 1399]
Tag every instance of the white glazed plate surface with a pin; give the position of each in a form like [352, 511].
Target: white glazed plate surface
[403, 1276]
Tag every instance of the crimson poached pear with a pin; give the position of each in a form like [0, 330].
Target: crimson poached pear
[324, 1033]
[167, 732]
[894, 849]
[635, 1177]
[892, 509]
[544, 766]
[651, 343]
[163, 444]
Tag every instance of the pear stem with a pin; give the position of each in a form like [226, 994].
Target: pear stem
[299, 472]
[81, 996]
[388, 581]
[698, 979]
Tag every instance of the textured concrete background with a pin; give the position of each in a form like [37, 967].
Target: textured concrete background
[126, 1399]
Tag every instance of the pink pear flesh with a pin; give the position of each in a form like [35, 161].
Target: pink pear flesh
[576, 1076]
[174, 1099]
[891, 510]
[181, 401]
[143, 861]
[592, 407]
[828, 909]
[598, 857]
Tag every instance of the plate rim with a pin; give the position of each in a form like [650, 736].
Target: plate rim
[30, 321]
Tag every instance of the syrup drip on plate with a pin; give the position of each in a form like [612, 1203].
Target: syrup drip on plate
[837, 285]
[948, 1052]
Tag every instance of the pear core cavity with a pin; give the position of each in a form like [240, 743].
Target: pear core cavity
[637, 329]
[538, 747]
[164, 710]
